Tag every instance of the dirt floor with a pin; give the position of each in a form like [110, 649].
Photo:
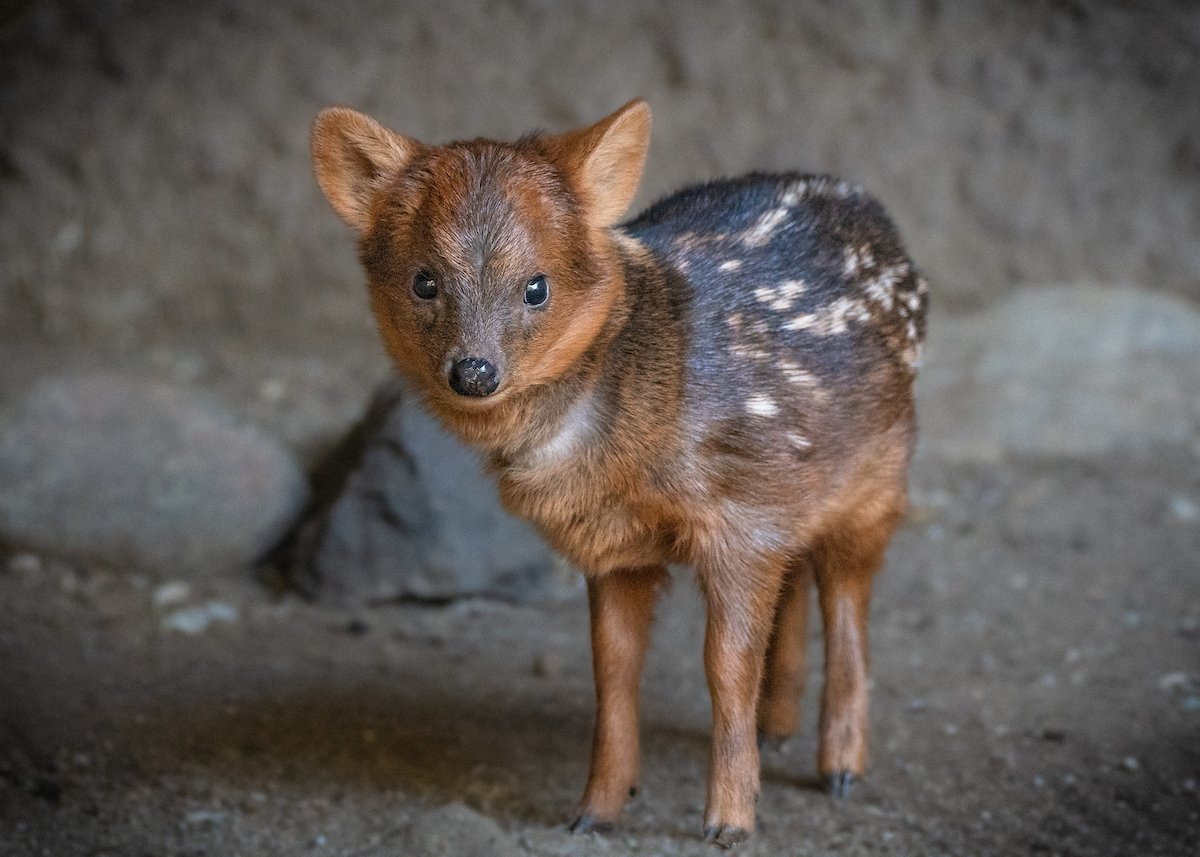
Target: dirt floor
[1035, 640]
[1036, 635]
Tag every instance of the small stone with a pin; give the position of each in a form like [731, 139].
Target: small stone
[24, 563]
[1131, 618]
[1174, 681]
[1190, 627]
[1191, 703]
[204, 818]
[548, 665]
[1130, 763]
[950, 729]
[1184, 509]
[171, 593]
[319, 841]
[272, 390]
[195, 620]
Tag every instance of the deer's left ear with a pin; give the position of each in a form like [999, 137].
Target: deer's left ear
[604, 161]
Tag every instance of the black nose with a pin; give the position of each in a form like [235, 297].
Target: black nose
[473, 376]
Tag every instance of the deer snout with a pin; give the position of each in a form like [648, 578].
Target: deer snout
[474, 376]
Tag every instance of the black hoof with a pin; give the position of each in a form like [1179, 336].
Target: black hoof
[589, 824]
[838, 783]
[724, 836]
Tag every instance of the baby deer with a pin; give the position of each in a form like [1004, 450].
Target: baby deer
[724, 382]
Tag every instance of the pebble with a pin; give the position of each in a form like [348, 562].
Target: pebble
[204, 818]
[1130, 763]
[195, 620]
[272, 390]
[1174, 681]
[24, 563]
[1184, 509]
[1131, 618]
[171, 593]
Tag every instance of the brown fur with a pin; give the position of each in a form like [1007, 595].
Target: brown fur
[601, 435]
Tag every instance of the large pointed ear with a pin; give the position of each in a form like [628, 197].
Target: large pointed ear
[352, 155]
[605, 160]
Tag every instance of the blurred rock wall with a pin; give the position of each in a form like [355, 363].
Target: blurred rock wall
[154, 184]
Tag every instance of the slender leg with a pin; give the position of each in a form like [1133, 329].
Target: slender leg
[786, 666]
[845, 565]
[621, 604]
[741, 609]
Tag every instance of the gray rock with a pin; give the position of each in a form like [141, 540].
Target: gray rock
[1081, 370]
[405, 511]
[134, 473]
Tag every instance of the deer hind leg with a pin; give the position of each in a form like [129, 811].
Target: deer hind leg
[621, 604]
[845, 562]
[785, 670]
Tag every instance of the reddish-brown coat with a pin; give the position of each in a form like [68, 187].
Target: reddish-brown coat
[595, 437]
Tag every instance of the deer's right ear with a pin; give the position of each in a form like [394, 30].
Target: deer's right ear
[352, 156]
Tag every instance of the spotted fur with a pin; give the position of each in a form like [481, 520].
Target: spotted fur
[724, 381]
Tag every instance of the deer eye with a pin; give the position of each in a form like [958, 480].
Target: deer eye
[424, 286]
[537, 290]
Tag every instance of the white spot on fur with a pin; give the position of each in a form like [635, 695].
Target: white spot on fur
[764, 294]
[832, 319]
[794, 193]
[793, 374]
[761, 405]
[760, 233]
[882, 287]
[799, 441]
[779, 298]
[740, 350]
[731, 265]
[858, 259]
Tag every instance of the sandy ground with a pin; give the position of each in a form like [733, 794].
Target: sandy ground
[1035, 639]
[1037, 631]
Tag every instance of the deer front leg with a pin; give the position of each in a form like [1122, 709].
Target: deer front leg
[741, 610]
[621, 604]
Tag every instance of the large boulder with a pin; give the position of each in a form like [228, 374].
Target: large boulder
[403, 510]
[134, 473]
[1074, 371]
